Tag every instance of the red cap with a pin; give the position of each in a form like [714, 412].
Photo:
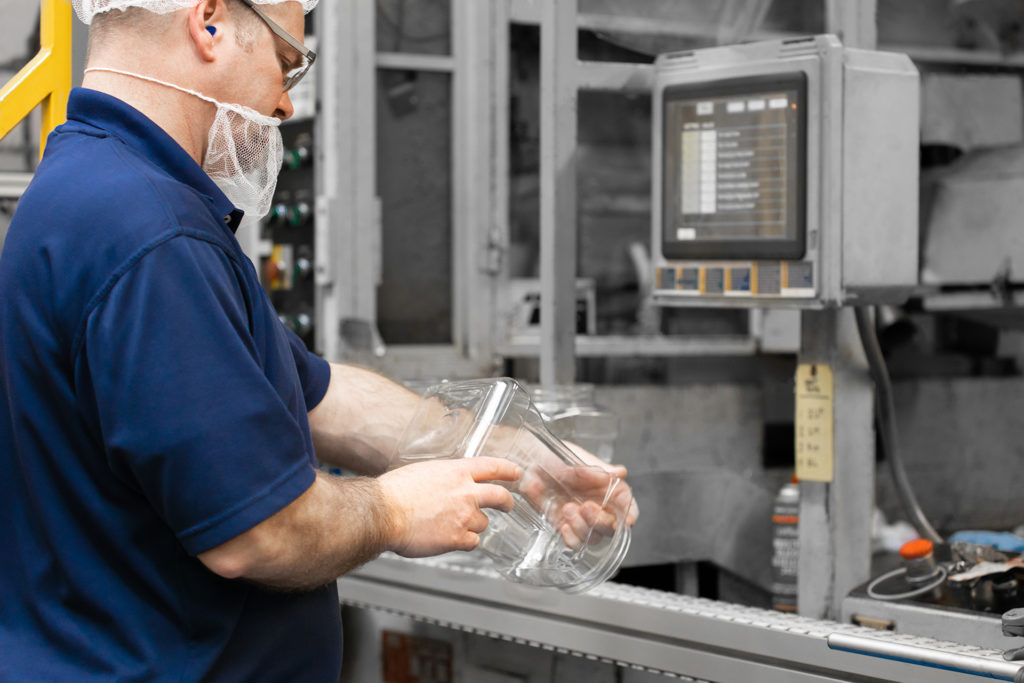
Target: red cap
[915, 550]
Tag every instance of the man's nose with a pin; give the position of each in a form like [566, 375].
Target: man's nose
[285, 110]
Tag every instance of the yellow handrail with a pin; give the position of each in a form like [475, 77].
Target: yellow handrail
[46, 79]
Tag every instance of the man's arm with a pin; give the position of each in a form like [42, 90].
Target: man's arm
[360, 419]
[341, 522]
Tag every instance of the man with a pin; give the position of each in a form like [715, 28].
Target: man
[160, 430]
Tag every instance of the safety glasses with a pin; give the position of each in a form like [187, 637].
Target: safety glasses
[308, 56]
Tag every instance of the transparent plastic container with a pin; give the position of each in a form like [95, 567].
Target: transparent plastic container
[573, 415]
[568, 527]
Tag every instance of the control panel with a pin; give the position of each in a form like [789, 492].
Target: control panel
[287, 235]
[785, 172]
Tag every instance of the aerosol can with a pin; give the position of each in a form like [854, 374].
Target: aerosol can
[785, 546]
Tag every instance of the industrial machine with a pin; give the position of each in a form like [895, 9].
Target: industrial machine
[784, 175]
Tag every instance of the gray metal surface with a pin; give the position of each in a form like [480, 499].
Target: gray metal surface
[675, 635]
[975, 628]
[347, 238]
[835, 524]
[558, 232]
[938, 655]
[12, 185]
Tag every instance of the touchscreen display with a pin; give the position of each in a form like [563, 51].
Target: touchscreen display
[734, 168]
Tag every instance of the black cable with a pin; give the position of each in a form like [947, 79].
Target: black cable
[885, 415]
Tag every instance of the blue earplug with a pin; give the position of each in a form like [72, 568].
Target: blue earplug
[212, 30]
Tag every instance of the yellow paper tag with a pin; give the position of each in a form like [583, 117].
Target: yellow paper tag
[815, 453]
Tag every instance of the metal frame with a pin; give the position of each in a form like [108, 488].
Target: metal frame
[348, 211]
[13, 185]
[348, 267]
[46, 79]
[347, 224]
[835, 517]
[558, 215]
[563, 75]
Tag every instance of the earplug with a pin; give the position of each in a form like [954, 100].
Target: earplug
[212, 30]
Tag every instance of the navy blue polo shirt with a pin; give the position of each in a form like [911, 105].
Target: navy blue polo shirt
[152, 407]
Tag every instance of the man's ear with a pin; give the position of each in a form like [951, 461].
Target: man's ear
[205, 21]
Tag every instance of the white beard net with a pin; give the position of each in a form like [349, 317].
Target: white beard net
[87, 9]
[244, 157]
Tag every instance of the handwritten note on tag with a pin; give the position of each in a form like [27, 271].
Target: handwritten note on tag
[815, 453]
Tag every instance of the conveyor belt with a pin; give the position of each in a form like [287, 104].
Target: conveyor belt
[678, 636]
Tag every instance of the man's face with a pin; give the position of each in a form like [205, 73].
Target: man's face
[261, 68]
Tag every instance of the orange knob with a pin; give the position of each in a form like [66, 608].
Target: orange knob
[917, 549]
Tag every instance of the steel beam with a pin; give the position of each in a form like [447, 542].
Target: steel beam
[558, 230]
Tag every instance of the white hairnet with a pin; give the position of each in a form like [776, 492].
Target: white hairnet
[87, 9]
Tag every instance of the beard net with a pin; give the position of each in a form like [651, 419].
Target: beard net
[87, 9]
[244, 156]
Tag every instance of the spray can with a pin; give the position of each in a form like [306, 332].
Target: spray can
[785, 546]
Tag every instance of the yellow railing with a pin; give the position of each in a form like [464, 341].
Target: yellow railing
[46, 79]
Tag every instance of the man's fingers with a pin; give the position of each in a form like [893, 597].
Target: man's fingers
[593, 513]
[494, 496]
[470, 540]
[484, 468]
[633, 513]
[571, 536]
[478, 523]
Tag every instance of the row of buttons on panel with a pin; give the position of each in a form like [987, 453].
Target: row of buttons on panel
[751, 279]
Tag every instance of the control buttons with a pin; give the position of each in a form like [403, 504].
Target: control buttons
[667, 278]
[303, 268]
[295, 159]
[739, 279]
[278, 214]
[293, 216]
[300, 154]
[769, 278]
[690, 280]
[800, 276]
[714, 280]
[299, 214]
[751, 279]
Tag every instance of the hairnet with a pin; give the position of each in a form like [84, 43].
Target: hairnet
[87, 9]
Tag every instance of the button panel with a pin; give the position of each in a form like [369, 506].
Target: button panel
[751, 279]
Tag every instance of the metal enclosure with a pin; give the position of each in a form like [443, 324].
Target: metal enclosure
[861, 229]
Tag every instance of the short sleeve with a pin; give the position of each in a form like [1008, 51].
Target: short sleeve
[197, 411]
[314, 371]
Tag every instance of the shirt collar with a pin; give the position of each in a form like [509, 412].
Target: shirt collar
[123, 121]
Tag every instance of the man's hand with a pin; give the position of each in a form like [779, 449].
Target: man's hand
[622, 497]
[437, 506]
[586, 503]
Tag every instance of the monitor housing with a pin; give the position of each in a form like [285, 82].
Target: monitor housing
[785, 173]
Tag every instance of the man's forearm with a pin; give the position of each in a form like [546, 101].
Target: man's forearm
[359, 421]
[334, 527]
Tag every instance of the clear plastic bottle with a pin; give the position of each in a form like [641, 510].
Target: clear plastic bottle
[545, 539]
[573, 415]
